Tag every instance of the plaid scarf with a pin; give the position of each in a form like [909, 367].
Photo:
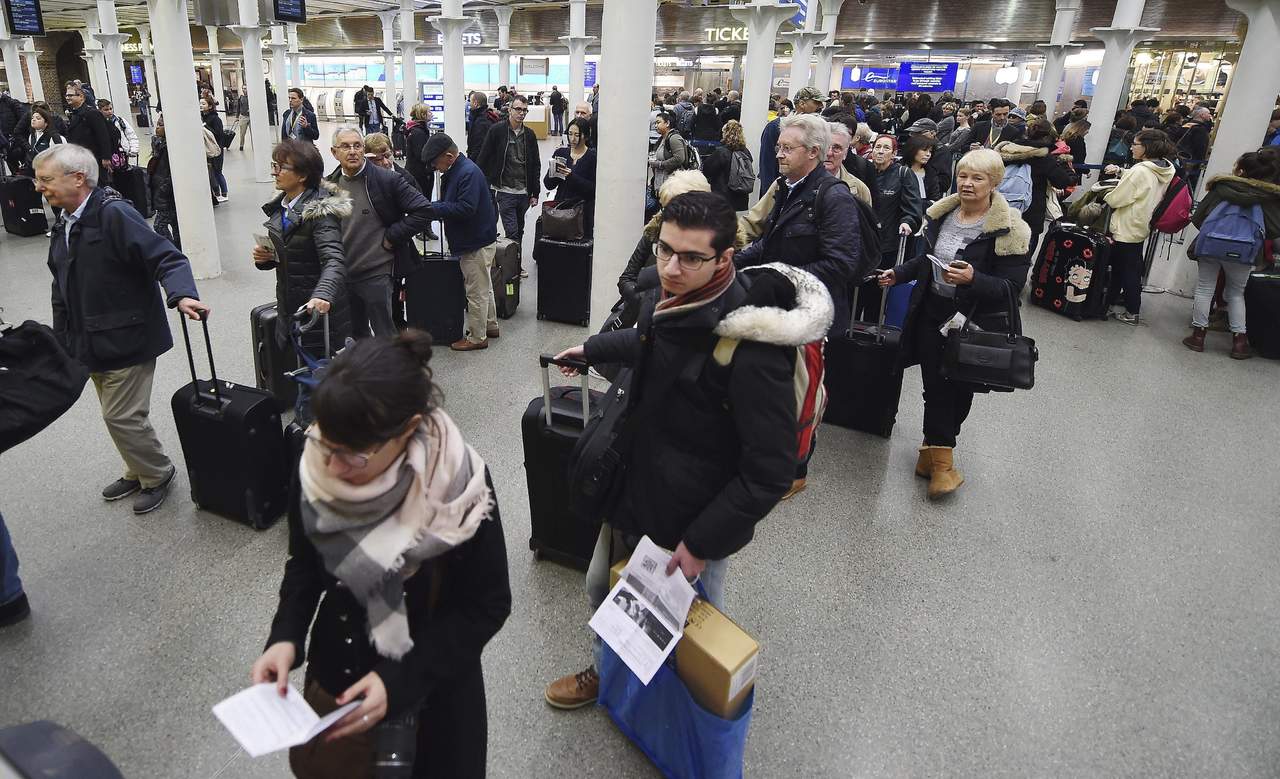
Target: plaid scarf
[670, 305]
[374, 536]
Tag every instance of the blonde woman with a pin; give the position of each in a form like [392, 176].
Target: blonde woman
[718, 165]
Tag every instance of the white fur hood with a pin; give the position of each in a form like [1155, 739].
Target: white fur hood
[807, 321]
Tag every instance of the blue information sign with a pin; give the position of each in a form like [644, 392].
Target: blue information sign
[24, 17]
[869, 78]
[588, 74]
[927, 76]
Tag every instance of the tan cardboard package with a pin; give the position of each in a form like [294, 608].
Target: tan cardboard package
[716, 659]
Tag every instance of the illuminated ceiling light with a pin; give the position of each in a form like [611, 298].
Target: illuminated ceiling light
[1095, 77]
[1143, 58]
[1006, 75]
[962, 76]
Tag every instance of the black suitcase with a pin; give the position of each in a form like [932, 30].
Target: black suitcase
[551, 426]
[1071, 272]
[271, 361]
[1262, 312]
[435, 299]
[863, 379]
[22, 206]
[564, 280]
[505, 274]
[135, 185]
[234, 445]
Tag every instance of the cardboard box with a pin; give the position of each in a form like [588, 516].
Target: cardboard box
[717, 660]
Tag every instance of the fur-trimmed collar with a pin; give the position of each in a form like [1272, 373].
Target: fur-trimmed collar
[1012, 151]
[654, 227]
[1012, 235]
[1264, 190]
[807, 321]
[329, 200]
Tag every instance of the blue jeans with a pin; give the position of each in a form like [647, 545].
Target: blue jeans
[604, 557]
[557, 123]
[511, 210]
[10, 584]
[217, 181]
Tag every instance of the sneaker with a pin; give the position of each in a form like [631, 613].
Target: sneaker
[575, 690]
[14, 611]
[222, 198]
[150, 498]
[524, 274]
[121, 488]
[1127, 318]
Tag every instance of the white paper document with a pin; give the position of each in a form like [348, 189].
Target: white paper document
[263, 722]
[643, 616]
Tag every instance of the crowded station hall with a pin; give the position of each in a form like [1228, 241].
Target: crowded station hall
[636, 388]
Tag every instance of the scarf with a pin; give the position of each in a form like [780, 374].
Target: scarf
[374, 536]
[670, 305]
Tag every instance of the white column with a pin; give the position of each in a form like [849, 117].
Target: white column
[13, 68]
[577, 40]
[388, 19]
[451, 23]
[763, 18]
[175, 65]
[215, 67]
[802, 43]
[262, 135]
[1254, 83]
[626, 68]
[1056, 51]
[148, 65]
[93, 55]
[295, 57]
[33, 69]
[503, 12]
[827, 49]
[111, 39]
[409, 53]
[1125, 31]
[735, 73]
[279, 49]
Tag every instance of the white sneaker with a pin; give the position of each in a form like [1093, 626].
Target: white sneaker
[222, 198]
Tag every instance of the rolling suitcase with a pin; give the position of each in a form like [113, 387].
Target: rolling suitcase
[22, 206]
[1262, 312]
[506, 277]
[551, 426]
[1070, 274]
[233, 444]
[271, 361]
[135, 185]
[863, 379]
[435, 299]
[564, 280]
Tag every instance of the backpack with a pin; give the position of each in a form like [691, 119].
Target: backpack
[742, 176]
[1231, 233]
[868, 222]
[1119, 148]
[1016, 186]
[1174, 209]
[211, 146]
[692, 159]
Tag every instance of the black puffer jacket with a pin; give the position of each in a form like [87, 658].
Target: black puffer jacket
[161, 176]
[309, 262]
[718, 448]
[896, 198]
[416, 135]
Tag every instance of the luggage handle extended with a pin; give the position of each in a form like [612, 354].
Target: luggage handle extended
[191, 360]
[547, 360]
[884, 292]
[306, 319]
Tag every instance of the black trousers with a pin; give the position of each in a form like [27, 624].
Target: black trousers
[1126, 275]
[946, 403]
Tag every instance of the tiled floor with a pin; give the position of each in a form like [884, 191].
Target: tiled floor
[1101, 598]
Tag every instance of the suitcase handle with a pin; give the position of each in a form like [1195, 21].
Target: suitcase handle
[191, 360]
[306, 319]
[884, 303]
[547, 360]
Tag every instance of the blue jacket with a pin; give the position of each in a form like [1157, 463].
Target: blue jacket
[311, 132]
[768, 172]
[107, 309]
[466, 207]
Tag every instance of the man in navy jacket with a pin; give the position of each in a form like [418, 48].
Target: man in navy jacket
[466, 208]
[108, 312]
[299, 121]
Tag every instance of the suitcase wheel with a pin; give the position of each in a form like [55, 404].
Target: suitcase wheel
[542, 316]
[585, 323]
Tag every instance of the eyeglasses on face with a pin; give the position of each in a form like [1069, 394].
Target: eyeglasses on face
[783, 148]
[350, 146]
[689, 262]
[519, 110]
[355, 460]
[277, 167]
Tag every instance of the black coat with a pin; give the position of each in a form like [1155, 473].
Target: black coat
[161, 180]
[493, 157]
[403, 210]
[982, 133]
[309, 133]
[717, 165]
[706, 123]
[731, 111]
[864, 169]
[415, 143]
[11, 111]
[896, 199]
[1046, 170]
[313, 262]
[479, 130]
[107, 310]
[473, 600]
[34, 146]
[718, 450]
[579, 185]
[937, 172]
[822, 238]
[89, 128]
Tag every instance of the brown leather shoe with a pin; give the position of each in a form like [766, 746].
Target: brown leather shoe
[575, 690]
[1195, 341]
[1240, 347]
[492, 333]
[797, 487]
[463, 345]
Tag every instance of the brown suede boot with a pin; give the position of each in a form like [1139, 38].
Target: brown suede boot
[922, 462]
[1195, 341]
[944, 479]
[1240, 347]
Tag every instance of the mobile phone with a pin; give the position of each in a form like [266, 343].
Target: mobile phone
[959, 264]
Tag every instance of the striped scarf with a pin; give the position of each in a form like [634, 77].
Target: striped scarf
[670, 305]
[374, 536]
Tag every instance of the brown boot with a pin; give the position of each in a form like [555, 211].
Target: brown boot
[575, 690]
[1240, 347]
[944, 479]
[922, 462]
[796, 487]
[1195, 341]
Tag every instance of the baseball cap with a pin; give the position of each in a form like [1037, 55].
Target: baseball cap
[436, 145]
[809, 93]
[923, 126]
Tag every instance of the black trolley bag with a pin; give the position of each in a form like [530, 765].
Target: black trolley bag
[505, 275]
[564, 279]
[135, 185]
[272, 361]
[551, 426]
[435, 298]
[1072, 270]
[21, 206]
[1262, 311]
[863, 377]
[233, 444]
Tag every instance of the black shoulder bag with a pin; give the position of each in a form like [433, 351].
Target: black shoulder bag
[998, 361]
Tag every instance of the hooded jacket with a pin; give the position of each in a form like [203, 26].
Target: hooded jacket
[1242, 192]
[1046, 169]
[1135, 198]
[718, 450]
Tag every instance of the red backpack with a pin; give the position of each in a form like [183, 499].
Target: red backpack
[1173, 213]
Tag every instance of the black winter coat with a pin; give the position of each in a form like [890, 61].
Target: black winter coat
[403, 210]
[89, 128]
[706, 124]
[1045, 170]
[11, 111]
[473, 600]
[309, 262]
[493, 157]
[731, 111]
[896, 199]
[579, 186]
[107, 310]
[479, 130]
[161, 180]
[415, 142]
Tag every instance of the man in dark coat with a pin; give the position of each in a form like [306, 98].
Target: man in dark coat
[299, 121]
[990, 131]
[1193, 144]
[732, 108]
[87, 127]
[108, 312]
[509, 159]
[482, 119]
[714, 449]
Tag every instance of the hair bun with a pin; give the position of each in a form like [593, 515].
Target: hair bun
[418, 344]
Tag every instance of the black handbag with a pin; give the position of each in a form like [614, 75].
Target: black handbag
[39, 381]
[997, 361]
[563, 221]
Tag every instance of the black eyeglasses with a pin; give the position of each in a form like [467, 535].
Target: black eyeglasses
[689, 262]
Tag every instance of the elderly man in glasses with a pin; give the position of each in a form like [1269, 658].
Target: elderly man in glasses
[509, 159]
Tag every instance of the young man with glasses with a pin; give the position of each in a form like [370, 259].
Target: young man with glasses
[509, 159]
[715, 428]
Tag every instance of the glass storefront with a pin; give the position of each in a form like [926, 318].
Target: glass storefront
[1178, 75]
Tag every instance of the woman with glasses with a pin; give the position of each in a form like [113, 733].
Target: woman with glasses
[900, 209]
[1133, 200]
[397, 573]
[305, 235]
[575, 167]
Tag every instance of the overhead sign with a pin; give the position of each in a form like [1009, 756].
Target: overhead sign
[24, 17]
[726, 34]
[1090, 81]
[588, 74]
[290, 10]
[869, 78]
[534, 66]
[802, 14]
[468, 39]
[927, 76]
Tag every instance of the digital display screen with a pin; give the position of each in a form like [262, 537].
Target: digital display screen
[24, 17]
[869, 78]
[927, 76]
[291, 10]
[135, 74]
